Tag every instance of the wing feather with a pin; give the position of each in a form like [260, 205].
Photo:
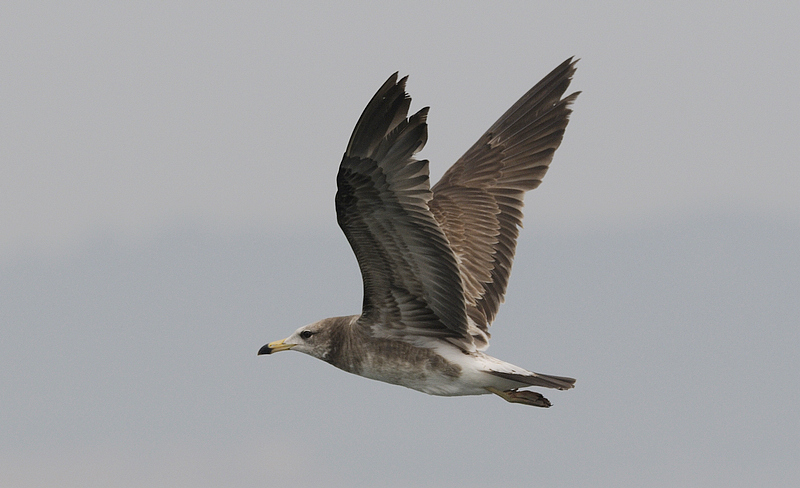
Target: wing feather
[478, 202]
[412, 285]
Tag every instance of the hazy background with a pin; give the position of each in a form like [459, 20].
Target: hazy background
[167, 176]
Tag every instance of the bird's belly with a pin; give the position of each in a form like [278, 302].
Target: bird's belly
[419, 368]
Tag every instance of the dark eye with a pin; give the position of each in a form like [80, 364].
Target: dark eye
[306, 334]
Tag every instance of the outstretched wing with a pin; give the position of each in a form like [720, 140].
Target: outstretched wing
[478, 202]
[412, 285]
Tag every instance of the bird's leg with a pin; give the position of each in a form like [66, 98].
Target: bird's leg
[525, 397]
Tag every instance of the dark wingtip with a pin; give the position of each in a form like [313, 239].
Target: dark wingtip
[265, 349]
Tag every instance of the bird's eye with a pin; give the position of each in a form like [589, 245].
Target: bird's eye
[306, 334]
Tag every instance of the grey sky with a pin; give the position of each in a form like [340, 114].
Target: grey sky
[129, 118]
[166, 203]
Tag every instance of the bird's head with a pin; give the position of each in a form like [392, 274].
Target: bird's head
[313, 339]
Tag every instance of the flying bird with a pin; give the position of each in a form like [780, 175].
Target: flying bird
[435, 262]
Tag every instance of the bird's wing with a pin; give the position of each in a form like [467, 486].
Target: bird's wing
[478, 202]
[412, 286]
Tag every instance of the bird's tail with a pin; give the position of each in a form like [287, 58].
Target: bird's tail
[538, 379]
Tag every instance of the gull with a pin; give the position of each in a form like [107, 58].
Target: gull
[435, 262]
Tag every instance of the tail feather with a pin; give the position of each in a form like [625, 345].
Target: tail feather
[538, 379]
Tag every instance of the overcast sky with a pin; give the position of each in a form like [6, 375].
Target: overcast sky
[166, 201]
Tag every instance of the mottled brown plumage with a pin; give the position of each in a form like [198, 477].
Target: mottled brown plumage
[435, 262]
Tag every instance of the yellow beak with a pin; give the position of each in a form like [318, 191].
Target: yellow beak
[275, 347]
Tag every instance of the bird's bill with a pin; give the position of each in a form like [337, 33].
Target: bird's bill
[276, 346]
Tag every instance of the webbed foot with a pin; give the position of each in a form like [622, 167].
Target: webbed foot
[526, 397]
